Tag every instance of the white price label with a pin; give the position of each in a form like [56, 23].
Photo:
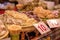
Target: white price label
[53, 23]
[42, 27]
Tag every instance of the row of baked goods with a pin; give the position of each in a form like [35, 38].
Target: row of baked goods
[39, 9]
[14, 17]
[31, 5]
[27, 19]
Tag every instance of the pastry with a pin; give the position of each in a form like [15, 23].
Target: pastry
[43, 13]
[14, 17]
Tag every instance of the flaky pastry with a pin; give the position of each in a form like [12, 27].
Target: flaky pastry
[43, 13]
[20, 18]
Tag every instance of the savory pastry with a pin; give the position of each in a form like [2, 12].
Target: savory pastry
[29, 23]
[29, 6]
[43, 13]
[50, 16]
[17, 15]
[3, 30]
[19, 18]
[39, 12]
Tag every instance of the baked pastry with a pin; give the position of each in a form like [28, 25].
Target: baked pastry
[3, 30]
[42, 13]
[19, 18]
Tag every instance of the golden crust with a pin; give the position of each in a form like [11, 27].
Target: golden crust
[42, 13]
[17, 15]
[25, 21]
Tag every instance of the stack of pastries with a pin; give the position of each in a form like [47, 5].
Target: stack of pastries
[14, 17]
[43, 13]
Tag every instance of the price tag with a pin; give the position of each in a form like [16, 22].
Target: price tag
[53, 23]
[42, 27]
